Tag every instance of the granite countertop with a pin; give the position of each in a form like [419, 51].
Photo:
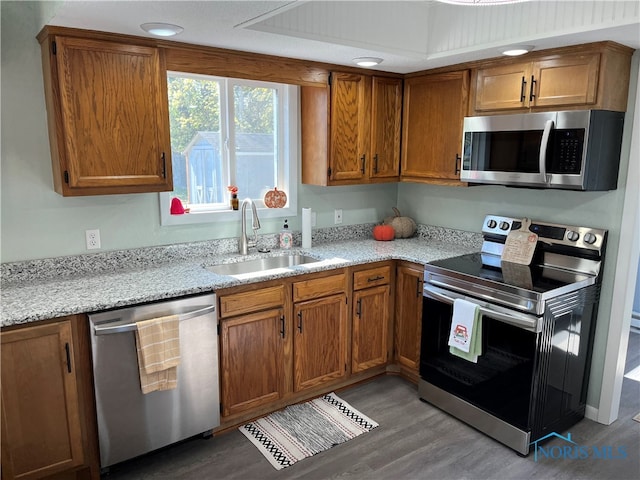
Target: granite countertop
[27, 300]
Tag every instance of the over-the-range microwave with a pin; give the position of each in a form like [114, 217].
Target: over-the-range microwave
[573, 150]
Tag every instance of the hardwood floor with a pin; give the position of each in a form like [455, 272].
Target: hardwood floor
[414, 441]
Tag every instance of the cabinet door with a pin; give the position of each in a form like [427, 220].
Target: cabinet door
[434, 110]
[252, 360]
[385, 129]
[370, 325]
[504, 87]
[41, 431]
[114, 118]
[320, 341]
[350, 126]
[408, 316]
[566, 80]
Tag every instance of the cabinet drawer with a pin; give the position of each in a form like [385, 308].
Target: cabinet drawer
[251, 301]
[319, 287]
[371, 277]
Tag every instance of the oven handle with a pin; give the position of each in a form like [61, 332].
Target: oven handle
[526, 322]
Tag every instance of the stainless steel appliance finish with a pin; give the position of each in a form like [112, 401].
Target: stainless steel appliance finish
[574, 150]
[537, 332]
[131, 423]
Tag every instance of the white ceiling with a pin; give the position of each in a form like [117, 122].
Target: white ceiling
[409, 35]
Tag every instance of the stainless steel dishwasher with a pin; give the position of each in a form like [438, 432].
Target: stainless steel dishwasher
[131, 423]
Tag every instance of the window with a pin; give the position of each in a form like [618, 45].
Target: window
[226, 132]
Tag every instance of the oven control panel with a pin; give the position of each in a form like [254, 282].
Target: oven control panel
[497, 227]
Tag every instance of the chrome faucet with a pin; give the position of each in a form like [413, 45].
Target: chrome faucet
[244, 243]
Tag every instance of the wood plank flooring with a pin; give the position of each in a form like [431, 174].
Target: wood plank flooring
[414, 441]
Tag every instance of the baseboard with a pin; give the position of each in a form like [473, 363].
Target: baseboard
[591, 413]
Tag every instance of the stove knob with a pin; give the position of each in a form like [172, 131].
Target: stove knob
[504, 225]
[590, 238]
[573, 236]
[492, 223]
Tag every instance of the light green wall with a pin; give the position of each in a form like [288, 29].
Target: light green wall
[38, 223]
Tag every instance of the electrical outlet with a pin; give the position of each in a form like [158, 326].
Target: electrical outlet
[337, 216]
[92, 238]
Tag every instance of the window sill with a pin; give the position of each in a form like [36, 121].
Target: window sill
[167, 220]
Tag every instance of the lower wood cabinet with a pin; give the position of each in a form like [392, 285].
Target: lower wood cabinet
[44, 406]
[370, 318]
[320, 341]
[408, 317]
[320, 333]
[253, 336]
[252, 360]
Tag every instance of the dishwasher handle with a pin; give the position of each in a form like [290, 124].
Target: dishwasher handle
[108, 328]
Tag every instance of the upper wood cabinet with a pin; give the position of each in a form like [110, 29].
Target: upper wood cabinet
[591, 76]
[108, 116]
[385, 129]
[41, 419]
[434, 110]
[351, 130]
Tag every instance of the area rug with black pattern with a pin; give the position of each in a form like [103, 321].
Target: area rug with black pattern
[305, 429]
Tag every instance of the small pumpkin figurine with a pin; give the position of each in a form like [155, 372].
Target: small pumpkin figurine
[275, 198]
[404, 227]
[383, 233]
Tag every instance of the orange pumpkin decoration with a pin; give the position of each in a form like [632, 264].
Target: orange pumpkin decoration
[384, 233]
[275, 198]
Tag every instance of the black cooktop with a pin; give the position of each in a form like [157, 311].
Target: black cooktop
[536, 278]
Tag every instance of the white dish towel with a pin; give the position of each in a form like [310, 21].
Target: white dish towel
[463, 322]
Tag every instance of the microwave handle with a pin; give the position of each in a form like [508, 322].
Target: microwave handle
[548, 126]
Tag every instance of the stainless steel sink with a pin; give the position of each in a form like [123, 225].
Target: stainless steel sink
[261, 265]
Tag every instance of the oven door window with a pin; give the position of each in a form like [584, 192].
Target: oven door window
[500, 383]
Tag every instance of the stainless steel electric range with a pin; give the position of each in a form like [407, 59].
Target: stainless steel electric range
[536, 331]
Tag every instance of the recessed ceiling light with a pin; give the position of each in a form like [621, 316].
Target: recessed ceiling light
[516, 50]
[162, 29]
[367, 61]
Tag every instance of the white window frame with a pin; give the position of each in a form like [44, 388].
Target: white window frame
[288, 111]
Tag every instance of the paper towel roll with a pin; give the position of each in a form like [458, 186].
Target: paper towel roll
[306, 228]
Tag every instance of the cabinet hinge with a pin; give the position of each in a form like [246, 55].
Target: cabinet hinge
[66, 176]
[54, 48]
[329, 172]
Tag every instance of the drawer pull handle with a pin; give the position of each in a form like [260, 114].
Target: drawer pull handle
[282, 326]
[300, 322]
[375, 279]
[359, 308]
